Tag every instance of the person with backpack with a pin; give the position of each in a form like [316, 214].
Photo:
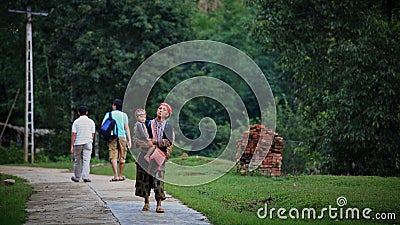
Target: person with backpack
[162, 136]
[120, 139]
[83, 130]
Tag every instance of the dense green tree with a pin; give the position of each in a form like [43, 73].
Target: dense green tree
[230, 22]
[343, 55]
[84, 53]
[12, 76]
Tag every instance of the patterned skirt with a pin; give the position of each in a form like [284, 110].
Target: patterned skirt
[145, 181]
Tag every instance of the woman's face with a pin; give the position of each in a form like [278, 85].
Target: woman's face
[162, 112]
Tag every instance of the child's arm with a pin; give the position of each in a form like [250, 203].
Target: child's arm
[142, 134]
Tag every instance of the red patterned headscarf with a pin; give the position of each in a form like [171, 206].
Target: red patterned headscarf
[169, 108]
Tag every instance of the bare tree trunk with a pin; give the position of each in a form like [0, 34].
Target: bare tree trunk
[72, 104]
[96, 146]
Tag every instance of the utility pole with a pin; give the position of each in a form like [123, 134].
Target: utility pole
[29, 119]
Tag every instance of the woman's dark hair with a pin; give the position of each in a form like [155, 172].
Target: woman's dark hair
[118, 104]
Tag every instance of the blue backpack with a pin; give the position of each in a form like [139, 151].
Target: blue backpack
[109, 129]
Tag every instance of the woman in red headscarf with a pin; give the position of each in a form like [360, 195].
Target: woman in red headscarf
[148, 174]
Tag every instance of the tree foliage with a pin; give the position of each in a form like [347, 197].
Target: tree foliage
[84, 53]
[343, 55]
[333, 67]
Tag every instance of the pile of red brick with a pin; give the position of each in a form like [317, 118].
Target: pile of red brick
[262, 145]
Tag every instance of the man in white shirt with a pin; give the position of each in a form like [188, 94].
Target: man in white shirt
[83, 130]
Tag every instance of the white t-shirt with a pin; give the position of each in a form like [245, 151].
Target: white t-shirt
[84, 127]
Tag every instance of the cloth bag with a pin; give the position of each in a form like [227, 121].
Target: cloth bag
[159, 157]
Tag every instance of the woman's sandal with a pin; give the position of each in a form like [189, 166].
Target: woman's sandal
[146, 207]
[159, 209]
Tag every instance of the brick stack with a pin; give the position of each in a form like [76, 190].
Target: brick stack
[254, 149]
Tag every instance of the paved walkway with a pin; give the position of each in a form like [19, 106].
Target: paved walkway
[58, 200]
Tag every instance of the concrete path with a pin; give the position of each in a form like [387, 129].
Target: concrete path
[58, 200]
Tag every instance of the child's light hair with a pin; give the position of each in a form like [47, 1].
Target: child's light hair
[139, 112]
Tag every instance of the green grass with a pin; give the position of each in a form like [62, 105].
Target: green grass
[129, 170]
[56, 165]
[192, 161]
[12, 200]
[196, 170]
[235, 199]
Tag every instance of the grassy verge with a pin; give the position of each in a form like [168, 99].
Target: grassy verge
[12, 200]
[129, 171]
[235, 199]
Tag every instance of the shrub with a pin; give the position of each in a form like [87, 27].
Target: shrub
[11, 154]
